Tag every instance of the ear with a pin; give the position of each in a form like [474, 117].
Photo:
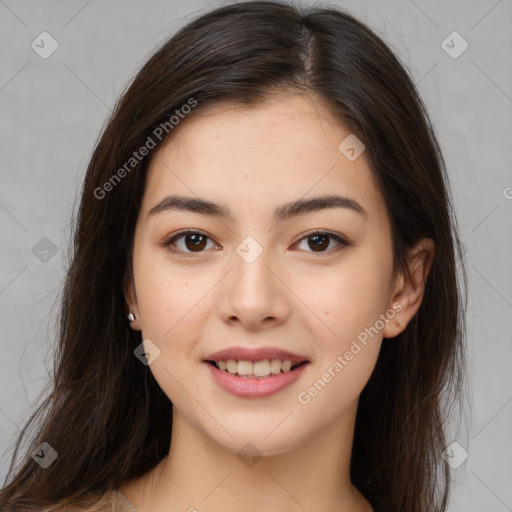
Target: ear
[131, 300]
[409, 287]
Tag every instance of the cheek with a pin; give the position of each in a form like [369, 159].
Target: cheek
[168, 296]
[348, 339]
[346, 297]
[348, 304]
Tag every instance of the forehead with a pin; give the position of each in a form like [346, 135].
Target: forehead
[255, 159]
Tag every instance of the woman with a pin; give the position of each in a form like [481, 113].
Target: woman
[264, 309]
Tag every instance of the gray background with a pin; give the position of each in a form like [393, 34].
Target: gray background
[52, 111]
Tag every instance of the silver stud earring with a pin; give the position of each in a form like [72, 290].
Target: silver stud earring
[131, 317]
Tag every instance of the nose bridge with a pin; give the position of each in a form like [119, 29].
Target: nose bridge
[252, 279]
[253, 293]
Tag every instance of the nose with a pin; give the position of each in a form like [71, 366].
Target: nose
[254, 295]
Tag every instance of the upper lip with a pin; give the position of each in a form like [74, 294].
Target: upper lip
[255, 354]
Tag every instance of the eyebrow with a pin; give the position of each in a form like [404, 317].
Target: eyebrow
[284, 212]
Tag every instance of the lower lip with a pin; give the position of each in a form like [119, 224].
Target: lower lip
[254, 388]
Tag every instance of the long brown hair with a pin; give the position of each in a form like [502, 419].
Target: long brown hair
[106, 416]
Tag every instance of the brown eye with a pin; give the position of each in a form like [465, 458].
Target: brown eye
[319, 241]
[197, 242]
[188, 242]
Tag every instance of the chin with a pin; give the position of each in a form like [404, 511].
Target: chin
[253, 442]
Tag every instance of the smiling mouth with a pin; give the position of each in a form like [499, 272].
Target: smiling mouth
[257, 370]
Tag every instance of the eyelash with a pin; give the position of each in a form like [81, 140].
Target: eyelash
[170, 241]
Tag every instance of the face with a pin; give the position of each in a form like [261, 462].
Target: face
[314, 283]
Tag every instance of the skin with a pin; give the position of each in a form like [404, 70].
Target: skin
[191, 304]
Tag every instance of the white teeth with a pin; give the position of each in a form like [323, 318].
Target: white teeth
[286, 366]
[245, 368]
[232, 366]
[258, 369]
[275, 366]
[261, 368]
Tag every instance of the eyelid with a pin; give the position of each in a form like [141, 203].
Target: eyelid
[338, 237]
[175, 236]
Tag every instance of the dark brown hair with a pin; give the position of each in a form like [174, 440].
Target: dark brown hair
[106, 416]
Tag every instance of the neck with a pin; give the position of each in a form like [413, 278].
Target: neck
[199, 474]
